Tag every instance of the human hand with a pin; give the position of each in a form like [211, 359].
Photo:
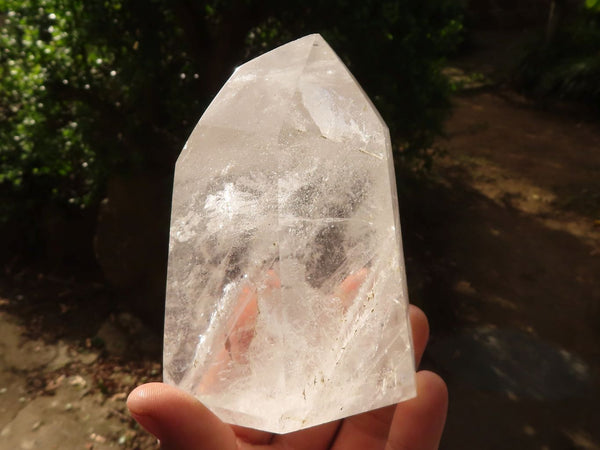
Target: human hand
[181, 422]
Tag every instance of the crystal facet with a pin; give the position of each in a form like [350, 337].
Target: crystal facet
[286, 295]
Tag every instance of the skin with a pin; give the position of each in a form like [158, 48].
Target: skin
[181, 422]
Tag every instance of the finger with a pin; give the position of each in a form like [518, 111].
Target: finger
[367, 430]
[252, 436]
[243, 322]
[241, 327]
[314, 438]
[177, 419]
[370, 429]
[210, 379]
[272, 281]
[236, 343]
[348, 288]
[418, 423]
[420, 331]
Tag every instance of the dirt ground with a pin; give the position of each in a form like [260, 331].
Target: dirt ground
[503, 253]
[506, 262]
[67, 363]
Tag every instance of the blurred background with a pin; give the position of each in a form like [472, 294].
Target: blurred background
[493, 108]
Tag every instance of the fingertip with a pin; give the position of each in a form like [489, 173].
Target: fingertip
[141, 399]
[177, 419]
[418, 423]
[142, 402]
[433, 391]
[418, 319]
[420, 331]
[432, 386]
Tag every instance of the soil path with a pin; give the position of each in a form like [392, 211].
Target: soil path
[67, 364]
[504, 255]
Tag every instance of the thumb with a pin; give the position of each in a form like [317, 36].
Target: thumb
[178, 420]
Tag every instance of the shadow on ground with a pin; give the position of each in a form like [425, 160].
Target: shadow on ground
[509, 278]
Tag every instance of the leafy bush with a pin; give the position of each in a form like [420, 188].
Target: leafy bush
[81, 87]
[96, 88]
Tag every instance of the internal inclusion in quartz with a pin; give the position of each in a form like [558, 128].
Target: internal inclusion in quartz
[286, 295]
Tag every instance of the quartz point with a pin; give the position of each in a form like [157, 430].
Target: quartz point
[286, 303]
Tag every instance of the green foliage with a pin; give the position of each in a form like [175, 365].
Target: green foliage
[41, 144]
[593, 5]
[90, 89]
[568, 67]
[75, 87]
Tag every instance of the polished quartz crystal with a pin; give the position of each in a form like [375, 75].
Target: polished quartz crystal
[286, 295]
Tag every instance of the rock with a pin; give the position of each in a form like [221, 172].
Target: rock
[87, 358]
[62, 358]
[116, 341]
[78, 381]
[20, 354]
[127, 335]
